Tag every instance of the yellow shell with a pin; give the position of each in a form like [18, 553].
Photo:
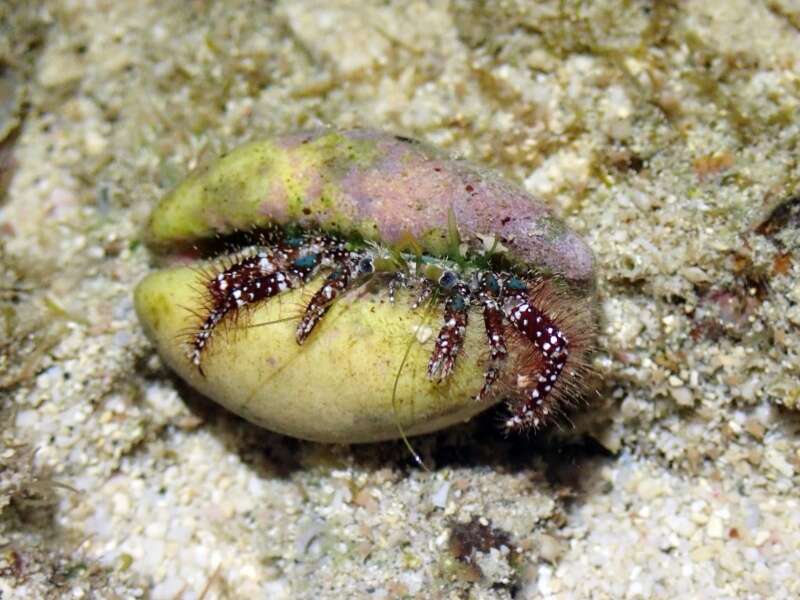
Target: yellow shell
[339, 385]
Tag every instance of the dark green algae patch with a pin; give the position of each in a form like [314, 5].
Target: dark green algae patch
[375, 187]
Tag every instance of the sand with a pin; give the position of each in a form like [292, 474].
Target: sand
[666, 134]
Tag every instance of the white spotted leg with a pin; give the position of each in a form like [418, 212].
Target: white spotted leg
[246, 282]
[451, 336]
[348, 269]
[553, 345]
[493, 324]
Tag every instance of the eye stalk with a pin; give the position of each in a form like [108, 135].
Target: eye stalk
[366, 266]
[448, 279]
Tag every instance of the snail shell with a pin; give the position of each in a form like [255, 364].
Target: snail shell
[361, 376]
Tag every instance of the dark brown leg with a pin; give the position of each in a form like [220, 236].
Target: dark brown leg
[451, 336]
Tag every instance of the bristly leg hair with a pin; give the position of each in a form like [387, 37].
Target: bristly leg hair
[574, 320]
[231, 286]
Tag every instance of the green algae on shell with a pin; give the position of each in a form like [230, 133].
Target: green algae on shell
[362, 375]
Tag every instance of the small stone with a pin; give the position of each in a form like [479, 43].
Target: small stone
[551, 548]
[682, 526]
[423, 333]
[714, 529]
[413, 581]
[649, 489]
[699, 514]
[779, 463]
[675, 381]
[439, 497]
[761, 537]
[702, 553]
[682, 395]
[365, 500]
[793, 314]
[494, 566]
[755, 428]
[730, 560]
[695, 274]
[611, 440]
[95, 143]
[60, 71]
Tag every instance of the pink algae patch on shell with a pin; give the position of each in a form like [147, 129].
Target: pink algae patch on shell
[411, 188]
[403, 201]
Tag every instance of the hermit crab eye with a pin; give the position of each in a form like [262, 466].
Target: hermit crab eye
[448, 279]
[366, 266]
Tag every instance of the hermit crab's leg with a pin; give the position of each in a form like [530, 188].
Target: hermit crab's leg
[451, 335]
[493, 323]
[489, 290]
[247, 281]
[397, 280]
[348, 268]
[553, 345]
[427, 287]
[200, 339]
[336, 282]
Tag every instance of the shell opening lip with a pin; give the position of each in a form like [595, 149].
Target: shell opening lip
[476, 258]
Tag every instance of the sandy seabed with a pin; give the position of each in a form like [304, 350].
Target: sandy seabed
[665, 133]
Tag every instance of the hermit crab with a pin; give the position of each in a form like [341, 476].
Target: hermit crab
[354, 286]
